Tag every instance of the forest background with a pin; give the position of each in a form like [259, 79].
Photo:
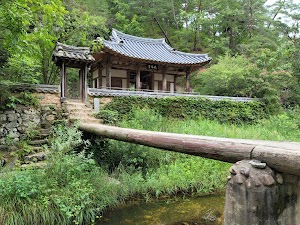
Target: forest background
[254, 46]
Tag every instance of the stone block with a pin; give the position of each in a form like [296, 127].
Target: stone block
[14, 135]
[12, 117]
[3, 117]
[50, 118]
[11, 125]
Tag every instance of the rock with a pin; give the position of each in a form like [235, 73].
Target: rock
[245, 171]
[11, 125]
[12, 117]
[257, 164]
[50, 118]
[240, 179]
[3, 117]
[279, 178]
[267, 180]
[232, 170]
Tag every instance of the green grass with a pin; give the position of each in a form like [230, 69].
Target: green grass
[283, 127]
[73, 188]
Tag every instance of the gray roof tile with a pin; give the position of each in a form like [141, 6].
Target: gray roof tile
[154, 50]
[72, 52]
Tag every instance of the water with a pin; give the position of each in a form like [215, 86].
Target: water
[195, 211]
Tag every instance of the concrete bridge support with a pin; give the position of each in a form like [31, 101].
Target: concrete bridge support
[258, 195]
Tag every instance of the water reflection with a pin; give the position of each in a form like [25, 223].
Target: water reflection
[195, 211]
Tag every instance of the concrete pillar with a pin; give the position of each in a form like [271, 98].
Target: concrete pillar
[258, 195]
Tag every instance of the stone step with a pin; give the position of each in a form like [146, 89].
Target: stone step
[37, 165]
[81, 114]
[38, 142]
[41, 156]
[85, 109]
[36, 148]
[86, 120]
[79, 104]
[45, 131]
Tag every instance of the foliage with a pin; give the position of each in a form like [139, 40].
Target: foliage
[236, 76]
[72, 189]
[181, 107]
[9, 99]
[108, 116]
[65, 138]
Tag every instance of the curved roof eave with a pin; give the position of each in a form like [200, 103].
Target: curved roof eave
[156, 61]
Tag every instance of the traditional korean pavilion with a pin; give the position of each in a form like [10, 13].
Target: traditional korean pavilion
[136, 63]
[127, 62]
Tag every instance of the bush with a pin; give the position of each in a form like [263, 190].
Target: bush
[187, 108]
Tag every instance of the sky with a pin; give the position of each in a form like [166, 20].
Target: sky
[269, 2]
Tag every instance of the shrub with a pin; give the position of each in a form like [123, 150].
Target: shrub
[185, 108]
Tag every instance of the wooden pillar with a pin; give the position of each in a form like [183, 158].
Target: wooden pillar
[108, 73]
[164, 82]
[187, 77]
[138, 78]
[175, 81]
[80, 85]
[62, 83]
[85, 84]
[100, 68]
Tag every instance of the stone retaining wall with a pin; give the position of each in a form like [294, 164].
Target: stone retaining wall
[14, 123]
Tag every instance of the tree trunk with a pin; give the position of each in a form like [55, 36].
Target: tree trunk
[282, 156]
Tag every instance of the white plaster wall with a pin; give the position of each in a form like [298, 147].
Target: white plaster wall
[124, 83]
[170, 78]
[172, 89]
[155, 85]
[116, 73]
[95, 74]
[158, 76]
[104, 82]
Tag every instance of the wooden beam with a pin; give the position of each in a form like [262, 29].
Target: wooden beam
[282, 156]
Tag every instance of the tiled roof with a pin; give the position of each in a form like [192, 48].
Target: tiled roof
[148, 49]
[63, 51]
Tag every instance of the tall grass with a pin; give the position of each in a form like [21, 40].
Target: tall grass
[285, 126]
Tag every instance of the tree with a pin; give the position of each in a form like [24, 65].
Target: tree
[237, 76]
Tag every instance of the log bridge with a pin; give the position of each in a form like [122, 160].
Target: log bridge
[263, 187]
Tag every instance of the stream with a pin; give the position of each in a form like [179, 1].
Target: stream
[189, 211]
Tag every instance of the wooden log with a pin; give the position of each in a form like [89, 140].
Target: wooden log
[282, 156]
